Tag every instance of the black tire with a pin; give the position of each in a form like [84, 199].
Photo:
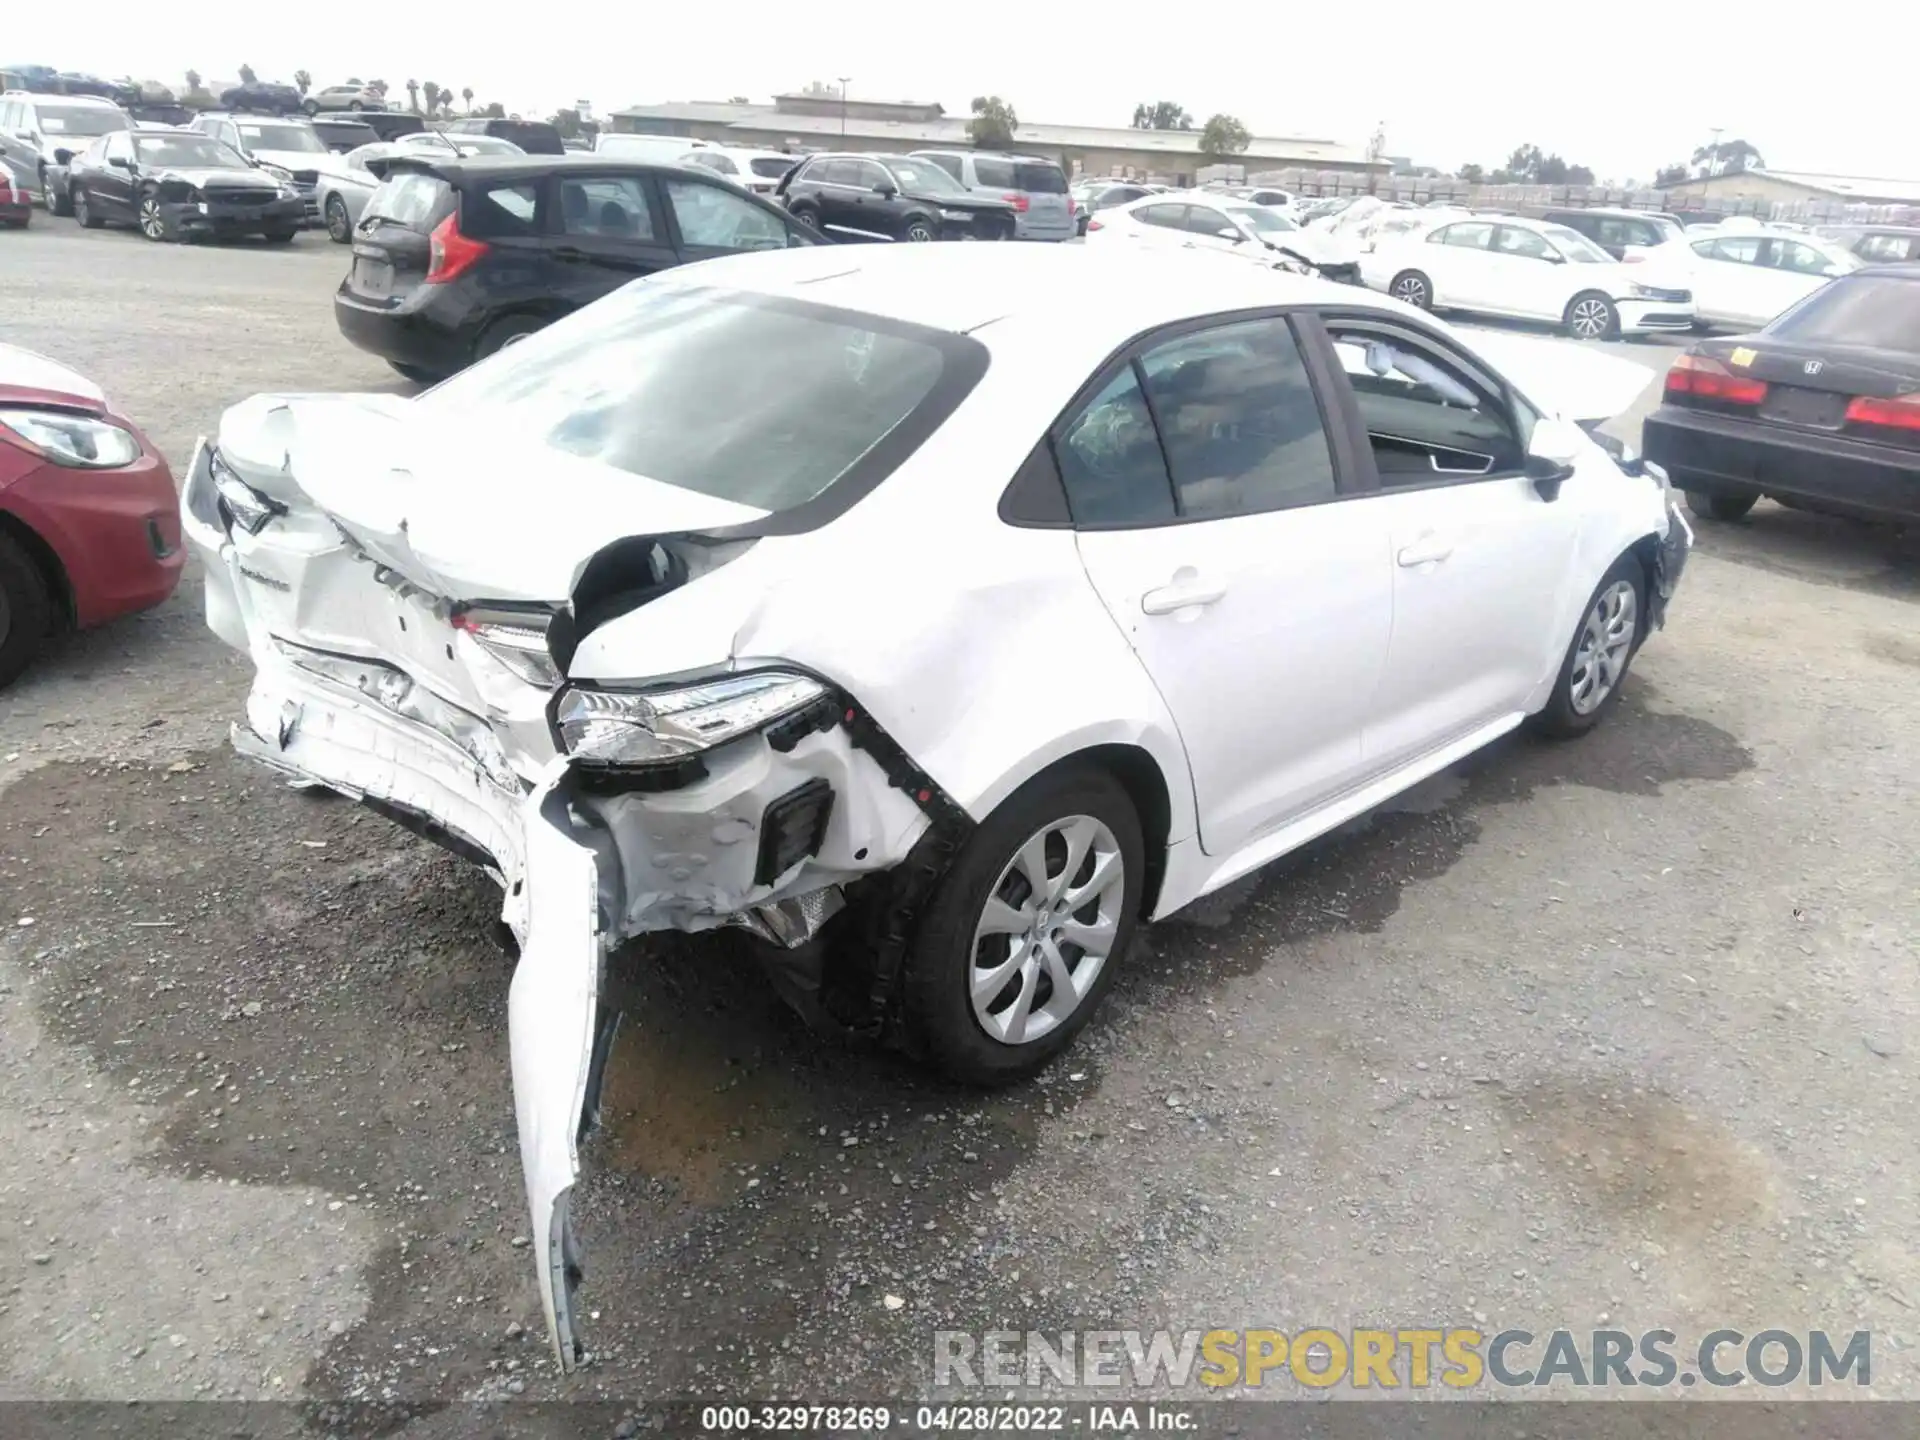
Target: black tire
[312, 107]
[153, 223]
[416, 373]
[26, 609]
[278, 237]
[936, 992]
[919, 230]
[59, 202]
[82, 209]
[504, 331]
[1563, 717]
[1591, 316]
[1414, 287]
[339, 223]
[355, 105]
[806, 215]
[1727, 508]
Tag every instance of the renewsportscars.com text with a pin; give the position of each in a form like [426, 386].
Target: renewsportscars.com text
[1415, 1358]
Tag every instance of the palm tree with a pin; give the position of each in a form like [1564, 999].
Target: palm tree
[193, 79]
[303, 80]
[432, 92]
[413, 96]
[467, 95]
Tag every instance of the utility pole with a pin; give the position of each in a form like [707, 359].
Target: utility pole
[1376, 147]
[843, 104]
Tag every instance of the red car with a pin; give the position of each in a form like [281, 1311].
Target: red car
[89, 521]
[16, 205]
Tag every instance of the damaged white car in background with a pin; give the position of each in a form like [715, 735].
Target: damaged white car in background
[972, 602]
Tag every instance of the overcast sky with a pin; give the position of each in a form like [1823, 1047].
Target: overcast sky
[1623, 87]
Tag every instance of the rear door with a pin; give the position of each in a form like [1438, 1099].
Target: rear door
[606, 229]
[1458, 259]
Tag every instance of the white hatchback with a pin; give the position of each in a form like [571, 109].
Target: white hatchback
[977, 603]
[1527, 270]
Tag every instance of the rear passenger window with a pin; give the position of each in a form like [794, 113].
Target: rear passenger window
[1110, 460]
[609, 206]
[1169, 217]
[1239, 419]
[501, 212]
[994, 174]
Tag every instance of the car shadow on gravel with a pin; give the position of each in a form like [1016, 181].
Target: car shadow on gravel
[1826, 550]
[305, 995]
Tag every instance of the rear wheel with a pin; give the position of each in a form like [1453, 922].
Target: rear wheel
[59, 199]
[339, 223]
[26, 610]
[808, 216]
[1022, 939]
[1414, 288]
[503, 332]
[1709, 506]
[1592, 317]
[82, 209]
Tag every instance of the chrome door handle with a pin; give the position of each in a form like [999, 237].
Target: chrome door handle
[1187, 589]
[1425, 551]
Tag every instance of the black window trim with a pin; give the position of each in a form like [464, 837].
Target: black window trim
[1324, 380]
[1390, 327]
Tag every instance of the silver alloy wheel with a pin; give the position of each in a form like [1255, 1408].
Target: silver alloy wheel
[1411, 289]
[152, 224]
[1591, 318]
[919, 232]
[1606, 644]
[1047, 929]
[339, 227]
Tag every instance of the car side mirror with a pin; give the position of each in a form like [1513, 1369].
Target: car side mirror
[63, 156]
[120, 162]
[885, 191]
[1551, 453]
[1554, 259]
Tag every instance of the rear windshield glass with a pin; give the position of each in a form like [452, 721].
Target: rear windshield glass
[408, 198]
[764, 403]
[995, 174]
[1039, 179]
[1878, 312]
[772, 167]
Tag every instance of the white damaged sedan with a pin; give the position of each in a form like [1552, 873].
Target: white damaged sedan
[975, 603]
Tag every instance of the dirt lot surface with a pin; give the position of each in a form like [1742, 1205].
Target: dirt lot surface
[1617, 1032]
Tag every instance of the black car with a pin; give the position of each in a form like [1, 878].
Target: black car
[385, 124]
[262, 95]
[1617, 231]
[454, 258]
[889, 197]
[340, 136]
[536, 137]
[1820, 410]
[178, 185]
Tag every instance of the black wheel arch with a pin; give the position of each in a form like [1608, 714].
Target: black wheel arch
[59, 587]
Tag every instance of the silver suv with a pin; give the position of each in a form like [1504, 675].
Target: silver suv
[1036, 188]
[285, 146]
[43, 132]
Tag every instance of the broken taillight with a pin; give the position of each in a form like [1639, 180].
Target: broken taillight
[518, 642]
[1701, 377]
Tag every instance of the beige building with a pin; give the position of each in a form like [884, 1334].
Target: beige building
[1759, 188]
[816, 121]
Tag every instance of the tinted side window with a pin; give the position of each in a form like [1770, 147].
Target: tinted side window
[1426, 419]
[611, 206]
[500, 212]
[1742, 251]
[1111, 461]
[868, 174]
[1167, 217]
[1204, 220]
[833, 172]
[1239, 419]
[1471, 234]
[994, 174]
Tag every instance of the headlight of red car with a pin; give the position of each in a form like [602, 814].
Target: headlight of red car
[81, 442]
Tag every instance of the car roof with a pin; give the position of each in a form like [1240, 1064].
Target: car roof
[44, 98]
[484, 167]
[1116, 293]
[1617, 211]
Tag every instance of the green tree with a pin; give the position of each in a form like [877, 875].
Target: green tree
[567, 122]
[247, 77]
[1161, 115]
[1472, 174]
[193, 79]
[1667, 175]
[1223, 135]
[413, 96]
[495, 111]
[993, 122]
[1728, 157]
[302, 81]
[466, 97]
[432, 92]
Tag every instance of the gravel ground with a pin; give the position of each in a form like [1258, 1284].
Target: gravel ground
[1616, 1032]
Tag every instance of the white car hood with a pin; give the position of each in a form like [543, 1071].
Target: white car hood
[1574, 382]
[462, 511]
